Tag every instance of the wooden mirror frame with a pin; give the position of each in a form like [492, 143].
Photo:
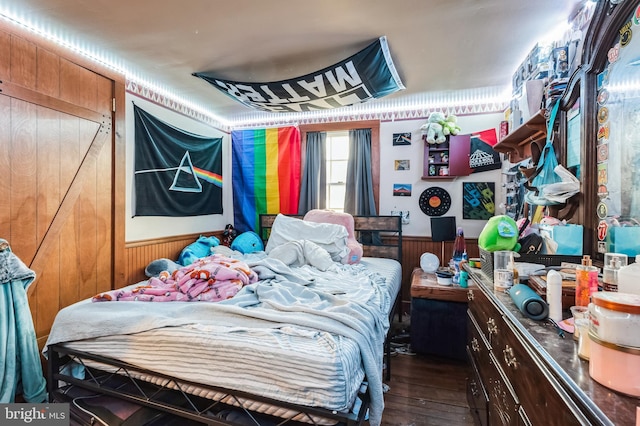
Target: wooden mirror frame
[603, 30]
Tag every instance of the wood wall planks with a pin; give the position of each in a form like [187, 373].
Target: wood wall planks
[58, 146]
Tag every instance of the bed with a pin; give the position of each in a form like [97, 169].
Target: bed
[299, 346]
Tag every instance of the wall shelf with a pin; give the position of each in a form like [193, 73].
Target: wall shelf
[517, 144]
[448, 159]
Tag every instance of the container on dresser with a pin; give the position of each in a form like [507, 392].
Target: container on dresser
[448, 159]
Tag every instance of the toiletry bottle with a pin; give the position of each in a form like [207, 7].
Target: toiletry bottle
[554, 295]
[610, 274]
[585, 275]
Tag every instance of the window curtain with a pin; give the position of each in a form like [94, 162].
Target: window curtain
[359, 200]
[313, 189]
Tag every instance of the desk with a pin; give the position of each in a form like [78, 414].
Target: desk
[438, 317]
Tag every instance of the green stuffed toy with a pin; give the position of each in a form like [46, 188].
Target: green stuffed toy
[500, 233]
[450, 125]
[438, 127]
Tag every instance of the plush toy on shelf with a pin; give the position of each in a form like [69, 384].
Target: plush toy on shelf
[432, 129]
[438, 127]
[450, 125]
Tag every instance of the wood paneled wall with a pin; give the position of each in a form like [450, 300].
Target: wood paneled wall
[140, 253]
[59, 155]
[414, 247]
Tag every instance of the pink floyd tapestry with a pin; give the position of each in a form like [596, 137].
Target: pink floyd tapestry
[176, 173]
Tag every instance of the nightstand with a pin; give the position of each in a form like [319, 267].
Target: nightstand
[438, 317]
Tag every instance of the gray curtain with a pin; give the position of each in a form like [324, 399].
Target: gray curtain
[359, 186]
[313, 188]
[359, 199]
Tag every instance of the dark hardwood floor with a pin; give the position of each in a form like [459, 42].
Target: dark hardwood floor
[426, 390]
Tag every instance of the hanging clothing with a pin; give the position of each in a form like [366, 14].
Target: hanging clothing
[20, 367]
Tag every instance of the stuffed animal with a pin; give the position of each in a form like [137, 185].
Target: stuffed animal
[433, 129]
[450, 125]
[499, 233]
[247, 242]
[200, 248]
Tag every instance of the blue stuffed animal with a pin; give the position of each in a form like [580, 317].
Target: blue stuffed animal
[198, 249]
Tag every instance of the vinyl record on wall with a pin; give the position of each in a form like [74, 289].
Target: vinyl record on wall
[434, 201]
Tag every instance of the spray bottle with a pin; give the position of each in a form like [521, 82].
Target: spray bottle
[612, 264]
[586, 281]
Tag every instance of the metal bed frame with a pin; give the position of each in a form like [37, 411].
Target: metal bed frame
[205, 410]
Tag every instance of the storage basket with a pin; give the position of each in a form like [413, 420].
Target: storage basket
[486, 262]
[486, 257]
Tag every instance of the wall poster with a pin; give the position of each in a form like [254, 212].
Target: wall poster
[478, 200]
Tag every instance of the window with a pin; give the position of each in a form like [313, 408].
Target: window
[337, 157]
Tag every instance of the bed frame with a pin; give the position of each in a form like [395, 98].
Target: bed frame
[123, 382]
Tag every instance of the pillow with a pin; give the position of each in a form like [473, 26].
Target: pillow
[331, 237]
[344, 219]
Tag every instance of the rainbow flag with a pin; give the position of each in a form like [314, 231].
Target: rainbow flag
[266, 174]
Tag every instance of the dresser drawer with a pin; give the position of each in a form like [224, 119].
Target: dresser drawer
[477, 346]
[504, 406]
[486, 314]
[477, 394]
[538, 393]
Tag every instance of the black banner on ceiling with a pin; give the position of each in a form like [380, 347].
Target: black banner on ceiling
[366, 75]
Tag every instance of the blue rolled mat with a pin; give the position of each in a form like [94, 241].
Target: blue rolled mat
[529, 302]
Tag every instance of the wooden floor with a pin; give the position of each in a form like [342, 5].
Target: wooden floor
[426, 390]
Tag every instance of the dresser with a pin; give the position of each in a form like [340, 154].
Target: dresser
[522, 372]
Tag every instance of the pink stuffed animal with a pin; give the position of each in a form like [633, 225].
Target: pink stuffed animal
[344, 219]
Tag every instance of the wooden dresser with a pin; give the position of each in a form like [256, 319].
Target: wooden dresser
[523, 372]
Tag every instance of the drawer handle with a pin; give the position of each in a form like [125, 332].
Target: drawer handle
[470, 295]
[509, 357]
[492, 328]
[475, 346]
[474, 389]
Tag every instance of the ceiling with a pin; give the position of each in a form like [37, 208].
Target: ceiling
[437, 46]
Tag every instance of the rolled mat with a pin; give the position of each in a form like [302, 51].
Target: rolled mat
[529, 303]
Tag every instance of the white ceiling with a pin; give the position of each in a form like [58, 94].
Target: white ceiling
[436, 45]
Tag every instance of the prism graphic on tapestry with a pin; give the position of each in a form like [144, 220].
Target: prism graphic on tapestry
[177, 173]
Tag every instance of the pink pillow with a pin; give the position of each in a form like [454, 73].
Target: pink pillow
[344, 219]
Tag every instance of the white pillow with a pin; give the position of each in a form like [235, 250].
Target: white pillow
[329, 236]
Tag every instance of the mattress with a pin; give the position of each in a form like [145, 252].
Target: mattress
[285, 362]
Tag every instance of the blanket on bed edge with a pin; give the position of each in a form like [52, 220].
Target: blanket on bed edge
[346, 300]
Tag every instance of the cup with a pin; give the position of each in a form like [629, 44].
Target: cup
[578, 313]
[503, 263]
[582, 324]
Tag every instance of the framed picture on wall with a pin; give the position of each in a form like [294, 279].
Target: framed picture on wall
[478, 200]
[401, 189]
[401, 164]
[402, 138]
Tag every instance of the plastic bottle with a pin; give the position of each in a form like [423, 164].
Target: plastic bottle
[629, 278]
[612, 264]
[554, 295]
[586, 281]
[459, 246]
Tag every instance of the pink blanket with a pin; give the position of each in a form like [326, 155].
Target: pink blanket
[209, 279]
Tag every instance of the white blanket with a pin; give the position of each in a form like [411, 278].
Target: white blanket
[347, 300]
